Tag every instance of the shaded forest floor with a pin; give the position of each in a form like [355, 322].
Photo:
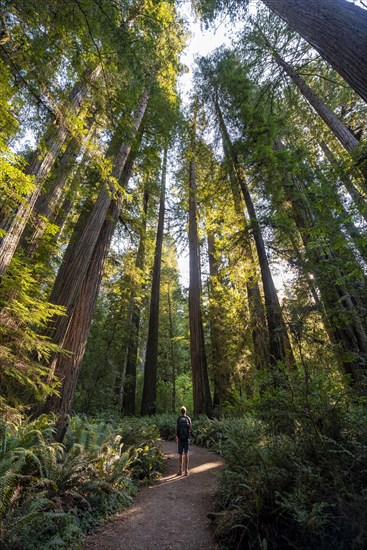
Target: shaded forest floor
[169, 515]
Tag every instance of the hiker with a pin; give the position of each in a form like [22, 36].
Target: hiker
[183, 431]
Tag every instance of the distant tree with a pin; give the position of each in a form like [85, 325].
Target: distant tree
[149, 398]
[127, 386]
[201, 390]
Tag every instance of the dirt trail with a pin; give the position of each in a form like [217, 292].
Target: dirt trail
[169, 515]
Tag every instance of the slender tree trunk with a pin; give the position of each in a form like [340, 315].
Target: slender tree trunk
[149, 397]
[340, 131]
[200, 380]
[336, 29]
[354, 234]
[128, 376]
[279, 344]
[171, 347]
[344, 320]
[39, 167]
[126, 383]
[221, 373]
[259, 331]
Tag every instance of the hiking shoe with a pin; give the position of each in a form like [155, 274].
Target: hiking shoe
[179, 473]
[186, 473]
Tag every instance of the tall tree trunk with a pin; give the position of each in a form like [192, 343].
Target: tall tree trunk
[279, 344]
[127, 393]
[340, 131]
[259, 331]
[171, 347]
[149, 397]
[200, 380]
[336, 29]
[39, 167]
[78, 254]
[220, 368]
[67, 367]
[78, 260]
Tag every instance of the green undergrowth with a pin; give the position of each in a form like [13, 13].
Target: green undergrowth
[300, 488]
[52, 494]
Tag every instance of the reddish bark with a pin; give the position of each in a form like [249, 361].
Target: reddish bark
[149, 397]
[336, 29]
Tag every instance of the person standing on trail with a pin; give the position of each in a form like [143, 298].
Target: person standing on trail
[183, 430]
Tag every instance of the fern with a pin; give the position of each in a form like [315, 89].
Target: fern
[50, 492]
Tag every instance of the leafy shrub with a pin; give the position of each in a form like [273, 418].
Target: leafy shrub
[50, 494]
[300, 490]
[166, 425]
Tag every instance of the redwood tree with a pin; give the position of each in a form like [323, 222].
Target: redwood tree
[149, 398]
[279, 344]
[335, 28]
[200, 381]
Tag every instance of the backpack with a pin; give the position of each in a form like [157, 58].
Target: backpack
[183, 428]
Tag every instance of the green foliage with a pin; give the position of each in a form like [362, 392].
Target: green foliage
[299, 488]
[50, 494]
[15, 185]
[166, 424]
[23, 350]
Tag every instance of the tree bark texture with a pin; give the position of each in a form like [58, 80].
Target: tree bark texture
[128, 376]
[149, 397]
[336, 29]
[40, 167]
[67, 367]
[200, 381]
[220, 369]
[341, 132]
[78, 254]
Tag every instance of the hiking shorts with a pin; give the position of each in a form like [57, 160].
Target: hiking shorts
[183, 446]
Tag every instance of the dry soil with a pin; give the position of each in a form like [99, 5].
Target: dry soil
[169, 515]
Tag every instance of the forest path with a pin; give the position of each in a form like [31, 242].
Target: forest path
[169, 515]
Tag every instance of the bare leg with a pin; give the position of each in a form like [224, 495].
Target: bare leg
[186, 464]
[180, 464]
